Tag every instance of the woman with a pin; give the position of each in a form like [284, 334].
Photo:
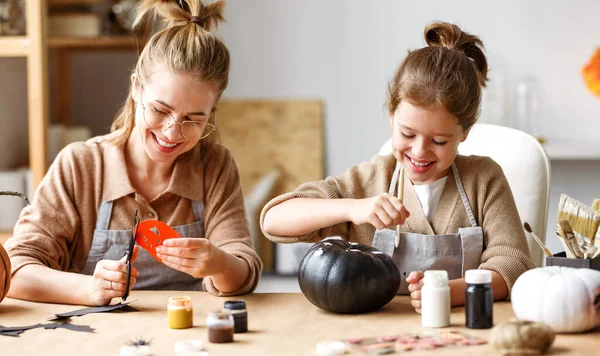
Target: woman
[161, 159]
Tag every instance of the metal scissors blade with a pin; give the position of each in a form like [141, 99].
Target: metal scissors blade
[134, 230]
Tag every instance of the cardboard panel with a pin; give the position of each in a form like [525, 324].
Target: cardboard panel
[267, 135]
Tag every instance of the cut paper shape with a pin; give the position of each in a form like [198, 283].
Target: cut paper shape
[152, 233]
[123, 307]
[421, 341]
[15, 331]
[69, 326]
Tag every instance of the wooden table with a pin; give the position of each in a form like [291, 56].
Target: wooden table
[279, 324]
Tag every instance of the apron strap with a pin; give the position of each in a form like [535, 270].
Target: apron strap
[104, 212]
[198, 208]
[463, 196]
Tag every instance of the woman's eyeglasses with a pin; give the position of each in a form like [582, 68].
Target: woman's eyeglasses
[157, 119]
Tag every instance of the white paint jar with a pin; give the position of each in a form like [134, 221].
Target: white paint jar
[435, 300]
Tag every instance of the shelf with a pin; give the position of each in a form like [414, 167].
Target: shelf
[575, 150]
[92, 43]
[14, 46]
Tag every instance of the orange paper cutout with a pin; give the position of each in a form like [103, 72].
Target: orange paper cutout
[152, 233]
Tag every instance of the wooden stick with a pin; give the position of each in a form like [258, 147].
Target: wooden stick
[400, 195]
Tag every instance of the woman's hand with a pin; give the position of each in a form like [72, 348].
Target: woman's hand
[110, 279]
[415, 280]
[380, 211]
[194, 256]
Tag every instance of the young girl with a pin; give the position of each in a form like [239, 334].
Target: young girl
[458, 212]
[160, 159]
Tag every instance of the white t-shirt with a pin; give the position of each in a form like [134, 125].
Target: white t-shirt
[429, 195]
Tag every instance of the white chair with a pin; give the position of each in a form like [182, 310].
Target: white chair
[527, 169]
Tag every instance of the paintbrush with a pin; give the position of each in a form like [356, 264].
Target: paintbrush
[537, 239]
[596, 205]
[572, 247]
[401, 198]
[583, 219]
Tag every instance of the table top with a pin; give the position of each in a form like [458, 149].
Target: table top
[278, 323]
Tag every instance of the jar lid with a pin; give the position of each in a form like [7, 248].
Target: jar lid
[220, 313]
[478, 276]
[235, 304]
[188, 345]
[331, 348]
[180, 301]
[436, 276]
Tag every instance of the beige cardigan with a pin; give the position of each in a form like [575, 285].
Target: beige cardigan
[490, 197]
[56, 230]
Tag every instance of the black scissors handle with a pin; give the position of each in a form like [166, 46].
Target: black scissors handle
[134, 230]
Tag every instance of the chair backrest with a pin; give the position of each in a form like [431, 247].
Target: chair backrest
[527, 169]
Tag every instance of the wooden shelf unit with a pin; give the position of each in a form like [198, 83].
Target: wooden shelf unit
[32, 47]
[92, 43]
[14, 46]
[64, 47]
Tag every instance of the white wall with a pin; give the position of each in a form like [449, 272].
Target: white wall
[345, 51]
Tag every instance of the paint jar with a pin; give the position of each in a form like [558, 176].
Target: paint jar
[435, 300]
[180, 312]
[479, 299]
[220, 326]
[240, 315]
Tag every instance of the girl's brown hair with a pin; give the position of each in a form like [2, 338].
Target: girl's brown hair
[184, 44]
[449, 73]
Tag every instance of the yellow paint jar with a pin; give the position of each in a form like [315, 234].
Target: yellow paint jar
[180, 312]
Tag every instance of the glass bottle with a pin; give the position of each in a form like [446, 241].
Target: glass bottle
[527, 106]
[220, 326]
[240, 314]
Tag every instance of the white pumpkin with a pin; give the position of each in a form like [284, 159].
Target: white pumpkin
[561, 297]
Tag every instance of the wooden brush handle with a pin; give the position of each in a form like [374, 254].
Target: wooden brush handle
[564, 243]
[400, 194]
[541, 244]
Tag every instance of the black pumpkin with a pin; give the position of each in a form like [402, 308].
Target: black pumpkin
[347, 277]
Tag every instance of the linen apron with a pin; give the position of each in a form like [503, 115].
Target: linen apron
[113, 245]
[454, 253]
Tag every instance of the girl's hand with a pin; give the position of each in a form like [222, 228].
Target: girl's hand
[380, 211]
[415, 280]
[110, 278]
[194, 256]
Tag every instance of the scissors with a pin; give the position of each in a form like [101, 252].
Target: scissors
[134, 231]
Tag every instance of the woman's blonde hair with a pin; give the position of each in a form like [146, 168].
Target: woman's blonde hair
[184, 44]
[449, 73]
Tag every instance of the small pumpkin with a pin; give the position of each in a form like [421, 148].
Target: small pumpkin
[522, 337]
[4, 273]
[347, 277]
[562, 297]
[5, 267]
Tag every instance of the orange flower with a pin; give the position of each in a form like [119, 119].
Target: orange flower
[591, 73]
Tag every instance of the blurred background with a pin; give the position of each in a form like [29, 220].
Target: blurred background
[313, 74]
